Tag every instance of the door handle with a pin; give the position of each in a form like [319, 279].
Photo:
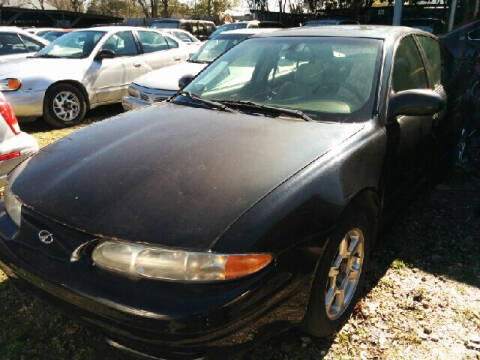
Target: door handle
[177, 58]
[137, 64]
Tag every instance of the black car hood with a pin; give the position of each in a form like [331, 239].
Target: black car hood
[170, 174]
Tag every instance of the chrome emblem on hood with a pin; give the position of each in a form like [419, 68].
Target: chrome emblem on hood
[45, 237]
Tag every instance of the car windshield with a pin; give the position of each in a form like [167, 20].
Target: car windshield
[326, 78]
[74, 45]
[215, 47]
[52, 35]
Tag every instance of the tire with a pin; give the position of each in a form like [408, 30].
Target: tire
[65, 98]
[359, 220]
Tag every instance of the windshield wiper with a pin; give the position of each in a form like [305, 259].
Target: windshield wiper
[46, 56]
[198, 61]
[267, 108]
[211, 104]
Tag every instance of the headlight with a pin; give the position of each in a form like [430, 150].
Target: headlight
[10, 84]
[133, 92]
[158, 263]
[13, 205]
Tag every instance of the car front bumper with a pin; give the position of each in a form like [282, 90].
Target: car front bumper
[132, 103]
[166, 320]
[26, 104]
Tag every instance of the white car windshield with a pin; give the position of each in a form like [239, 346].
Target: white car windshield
[215, 47]
[74, 45]
[325, 78]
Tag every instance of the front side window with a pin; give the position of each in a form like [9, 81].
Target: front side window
[74, 45]
[434, 57]
[11, 44]
[151, 41]
[327, 78]
[122, 44]
[408, 69]
[31, 44]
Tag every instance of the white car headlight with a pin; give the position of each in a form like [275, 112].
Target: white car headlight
[133, 92]
[157, 263]
[13, 205]
[10, 84]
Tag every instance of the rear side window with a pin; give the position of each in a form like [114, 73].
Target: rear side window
[151, 41]
[31, 44]
[408, 69]
[172, 44]
[434, 57]
[11, 44]
[122, 43]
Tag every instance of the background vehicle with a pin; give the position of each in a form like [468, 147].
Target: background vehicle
[40, 31]
[253, 24]
[55, 34]
[15, 145]
[325, 22]
[16, 43]
[198, 28]
[431, 25]
[84, 69]
[252, 203]
[160, 84]
[186, 38]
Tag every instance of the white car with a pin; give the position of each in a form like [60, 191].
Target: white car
[163, 83]
[15, 145]
[186, 38]
[84, 69]
[16, 43]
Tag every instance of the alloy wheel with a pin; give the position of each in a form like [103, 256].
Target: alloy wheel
[66, 106]
[344, 273]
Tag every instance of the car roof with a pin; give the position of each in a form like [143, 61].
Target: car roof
[358, 31]
[249, 31]
[115, 28]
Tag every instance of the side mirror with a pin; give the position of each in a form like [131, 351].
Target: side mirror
[185, 80]
[415, 103]
[105, 54]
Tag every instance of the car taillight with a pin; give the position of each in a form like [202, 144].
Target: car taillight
[7, 112]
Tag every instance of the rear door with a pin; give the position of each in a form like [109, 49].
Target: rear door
[158, 50]
[114, 75]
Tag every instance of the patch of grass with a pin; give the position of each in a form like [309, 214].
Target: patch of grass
[398, 264]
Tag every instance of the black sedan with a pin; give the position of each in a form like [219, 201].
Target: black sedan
[248, 202]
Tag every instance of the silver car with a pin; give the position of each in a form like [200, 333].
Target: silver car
[16, 43]
[84, 69]
[15, 145]
[163, 83]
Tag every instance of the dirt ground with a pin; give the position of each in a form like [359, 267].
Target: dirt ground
[422, 298]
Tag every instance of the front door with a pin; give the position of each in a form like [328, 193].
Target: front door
[113, 76]
[409, 145]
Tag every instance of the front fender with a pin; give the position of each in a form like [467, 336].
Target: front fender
[308, 205]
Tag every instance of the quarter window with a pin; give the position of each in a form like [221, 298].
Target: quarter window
[151, 41]
[434, 57]
[172, 44]
[408, 69]
[122, 43]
